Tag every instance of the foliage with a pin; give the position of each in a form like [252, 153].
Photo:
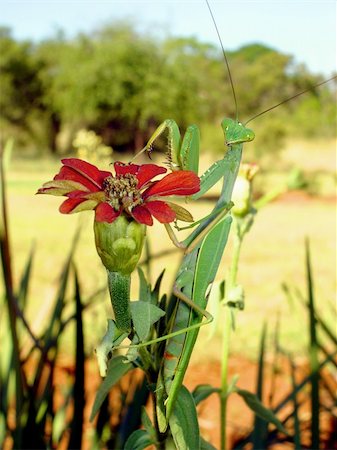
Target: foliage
[121, 85]
[312, 393]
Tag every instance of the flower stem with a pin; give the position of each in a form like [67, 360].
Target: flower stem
[119, 289]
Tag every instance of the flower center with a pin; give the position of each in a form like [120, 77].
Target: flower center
[122, 191]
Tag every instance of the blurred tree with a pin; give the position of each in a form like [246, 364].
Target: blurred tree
[102, 83]
[122, 85]
[21, 90]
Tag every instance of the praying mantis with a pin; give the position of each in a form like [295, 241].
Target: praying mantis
[197, 272]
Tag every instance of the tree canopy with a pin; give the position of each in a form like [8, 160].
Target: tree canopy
[121, 85]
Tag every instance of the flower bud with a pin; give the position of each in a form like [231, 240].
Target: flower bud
[120, 243]
[242, 192]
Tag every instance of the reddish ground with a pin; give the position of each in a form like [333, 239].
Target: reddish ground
[240, 418]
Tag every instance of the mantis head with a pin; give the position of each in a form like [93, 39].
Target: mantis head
[235, 132]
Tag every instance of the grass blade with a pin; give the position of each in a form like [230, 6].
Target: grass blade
[76, 428]
[297, 429]
[302, 384]
[275, 368]
[117, 367]
[6, 257]
[25, 279]
[260, 432]
[313, 353]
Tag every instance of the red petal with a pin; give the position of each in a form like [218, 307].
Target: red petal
[147, 172]
[161, 211]
[68, 174]
[77, 194]
[70, 204]
[106, 213]
[81, 171]
[87, 169]
[142, 215]
[182, 182]
[122, 168]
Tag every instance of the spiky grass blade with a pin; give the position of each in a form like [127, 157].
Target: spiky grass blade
[6, 257]
[76, 428]
[313, 352]
[297, 429]
[260, 432]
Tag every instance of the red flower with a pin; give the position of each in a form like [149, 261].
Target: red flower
[130, 191]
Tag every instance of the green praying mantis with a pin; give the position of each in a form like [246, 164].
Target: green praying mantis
[203, 250]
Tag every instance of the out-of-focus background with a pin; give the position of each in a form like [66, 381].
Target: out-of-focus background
[95, 79]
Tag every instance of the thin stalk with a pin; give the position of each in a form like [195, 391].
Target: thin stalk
[313, 352]
[231, 283]
[224, 377]
[235, 259]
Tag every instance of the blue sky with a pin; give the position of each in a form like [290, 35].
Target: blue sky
[306, 29]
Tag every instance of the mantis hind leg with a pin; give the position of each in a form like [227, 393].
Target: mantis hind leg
[181, 296]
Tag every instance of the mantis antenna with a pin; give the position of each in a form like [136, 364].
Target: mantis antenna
[226, 61]
[290, 98]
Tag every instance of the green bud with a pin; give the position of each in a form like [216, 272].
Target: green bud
[120, 243]
[242, 192]
[241, 197]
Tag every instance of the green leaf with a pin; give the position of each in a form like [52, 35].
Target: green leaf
[160, 407]
[204, 445]
[259, 409]
[203, 391]
[138, 440]
[144, 315]
[156, 289]
[184, 422]
[144, 287]
[117, 367]
[148, 424]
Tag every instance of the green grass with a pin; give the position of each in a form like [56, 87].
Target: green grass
[272, 253]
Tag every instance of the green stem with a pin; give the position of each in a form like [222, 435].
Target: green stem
[119, 289]
[224, 377]
[231, 283]
[235, 259]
